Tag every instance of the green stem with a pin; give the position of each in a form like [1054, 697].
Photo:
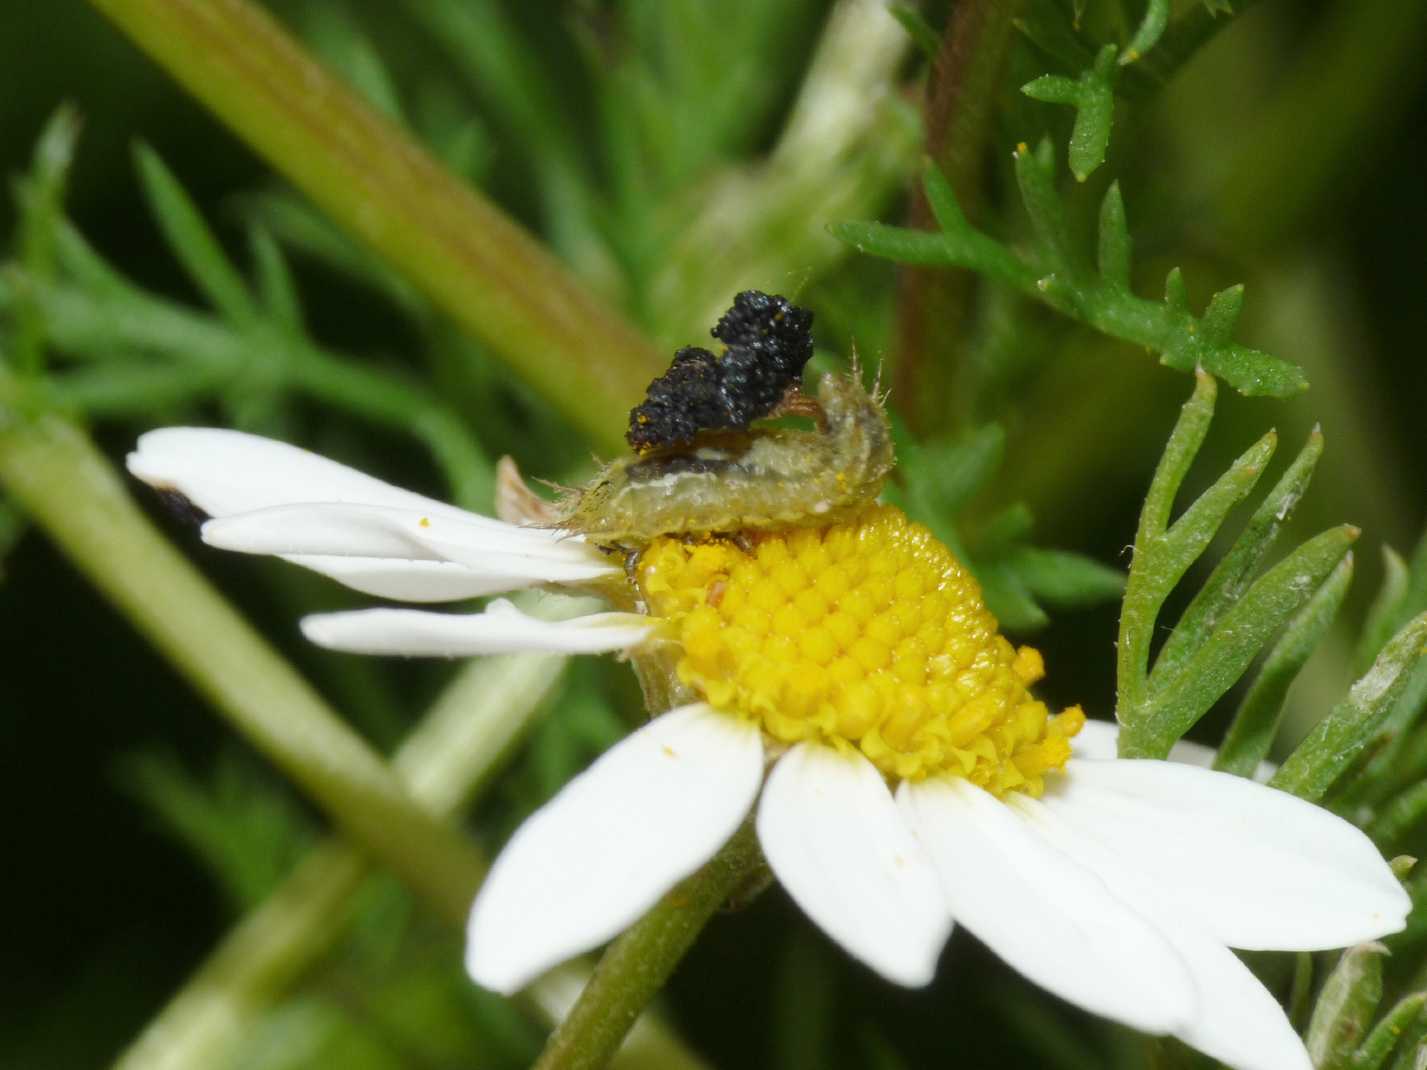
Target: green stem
[68, 488]
[470, 259]
[638, 963]
[932, 306]
[262, 957]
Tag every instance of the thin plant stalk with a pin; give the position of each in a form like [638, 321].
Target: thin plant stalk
[54, 472]
[638, 963]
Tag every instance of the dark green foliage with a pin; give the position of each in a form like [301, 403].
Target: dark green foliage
[1055, 273]
[667, 153]
[1238, 610]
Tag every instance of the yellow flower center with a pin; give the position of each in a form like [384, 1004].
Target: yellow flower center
[866, 634]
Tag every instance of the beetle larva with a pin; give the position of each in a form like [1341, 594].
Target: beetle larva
[746, 481]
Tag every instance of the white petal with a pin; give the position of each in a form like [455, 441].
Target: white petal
[225, 472]
[1236, 1019]
[501, 629]
[381, 531]
[1096, 740]
[1045, 914]
[505, 557]
[591, 861]
[834, 838]
[1099, 741]
[1254, 866]
[411, 581]
[1187, 752]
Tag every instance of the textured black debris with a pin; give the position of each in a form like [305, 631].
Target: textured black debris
[770, 324]
[685, 400]
[181, 507]
[769, 341]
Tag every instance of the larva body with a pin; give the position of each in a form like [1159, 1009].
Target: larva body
[751, 481]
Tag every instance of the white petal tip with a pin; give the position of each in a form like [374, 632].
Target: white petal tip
[318, 629]
[218, 534]
[596, 857]
[507, 630]
[908, 975]
[836, 841]
[495, 968]
[159, 458]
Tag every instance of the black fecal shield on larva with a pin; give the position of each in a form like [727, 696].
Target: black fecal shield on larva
[685, 400]
[769, 341]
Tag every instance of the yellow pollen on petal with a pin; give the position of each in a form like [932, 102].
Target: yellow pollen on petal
[867, 634]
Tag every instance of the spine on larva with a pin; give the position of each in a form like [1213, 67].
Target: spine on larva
[756, 481]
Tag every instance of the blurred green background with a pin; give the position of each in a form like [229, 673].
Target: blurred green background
[1288, 154]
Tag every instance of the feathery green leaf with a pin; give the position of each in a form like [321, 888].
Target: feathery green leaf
[1345, 733]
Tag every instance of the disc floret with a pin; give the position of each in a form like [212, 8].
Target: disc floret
[866, 634]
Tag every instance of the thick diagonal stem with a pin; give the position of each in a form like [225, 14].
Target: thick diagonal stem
[472, 261]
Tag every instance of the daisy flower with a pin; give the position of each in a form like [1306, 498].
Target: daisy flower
[846, 685]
